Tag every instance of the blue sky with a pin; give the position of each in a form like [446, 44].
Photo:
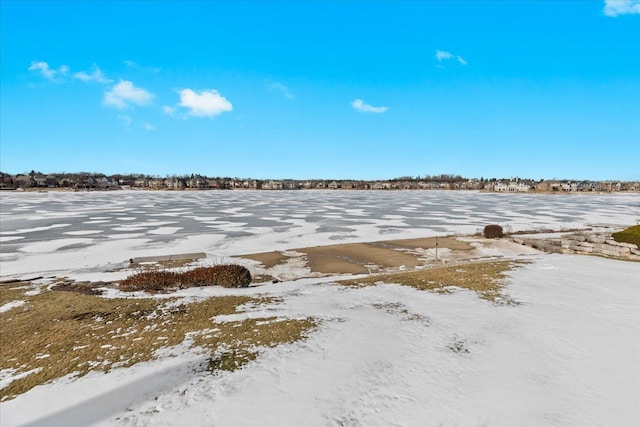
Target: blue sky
[327, 89]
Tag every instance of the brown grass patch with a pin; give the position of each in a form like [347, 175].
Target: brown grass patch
[428, 243]
[268, 259]
[356, 258]
[484, 278]
[362, 258]
[63, 333]
[89, 288]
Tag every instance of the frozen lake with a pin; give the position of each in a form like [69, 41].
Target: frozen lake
[45, 232]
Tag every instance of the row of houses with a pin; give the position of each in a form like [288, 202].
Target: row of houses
[42, 181]
[199, 182]
[562, 186]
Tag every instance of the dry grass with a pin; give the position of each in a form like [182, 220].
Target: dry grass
[427, 243]
[268, 259]
[362, 258]
[69, 333]
[484, 278]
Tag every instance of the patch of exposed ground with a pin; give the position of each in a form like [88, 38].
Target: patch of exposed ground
[268, 259]
[362, 258]
[427, 243]
[485, 278]
[54, 334]
[356, 258]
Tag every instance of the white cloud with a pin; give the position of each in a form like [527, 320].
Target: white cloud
[279, 87]
[361, 106]
[46, 71]
[125, 93]
[149, 126]
[444, 55]
[206, 103]
[97, 76]
[621, 7]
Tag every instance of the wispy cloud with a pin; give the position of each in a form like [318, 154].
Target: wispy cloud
[125, 93]
[149, 126]
[46, 71]
[127, 120]
[279, 87]
[96, 76]
[133, 64]
[443, 55]
[205, 103]
[621, 7]
[363, 107]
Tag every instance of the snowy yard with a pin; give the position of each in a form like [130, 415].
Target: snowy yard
[566, 354]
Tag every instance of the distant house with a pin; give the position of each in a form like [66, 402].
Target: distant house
[333, 185]
[272, 185]
[569, 186]
[24, 181]
[51, 181]
[500, 186]
[173, 183]
[104, 183]
[347, 185]
[423, 185]
[65, 182]
[140, 182]
[198, 182]
[551, 185]
[518, 186]
[586, 186]
[289, 184]
[6, 181]
[472, 184]
[40, 180]
[156, 184]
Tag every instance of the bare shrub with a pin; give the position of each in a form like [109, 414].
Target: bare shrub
[225, 275]
[492, 231]
[233, 276]
[151, 281]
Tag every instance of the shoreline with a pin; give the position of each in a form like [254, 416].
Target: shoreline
[170, 190]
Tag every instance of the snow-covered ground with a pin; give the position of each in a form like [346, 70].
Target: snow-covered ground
[568, 355]
[386, 355]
